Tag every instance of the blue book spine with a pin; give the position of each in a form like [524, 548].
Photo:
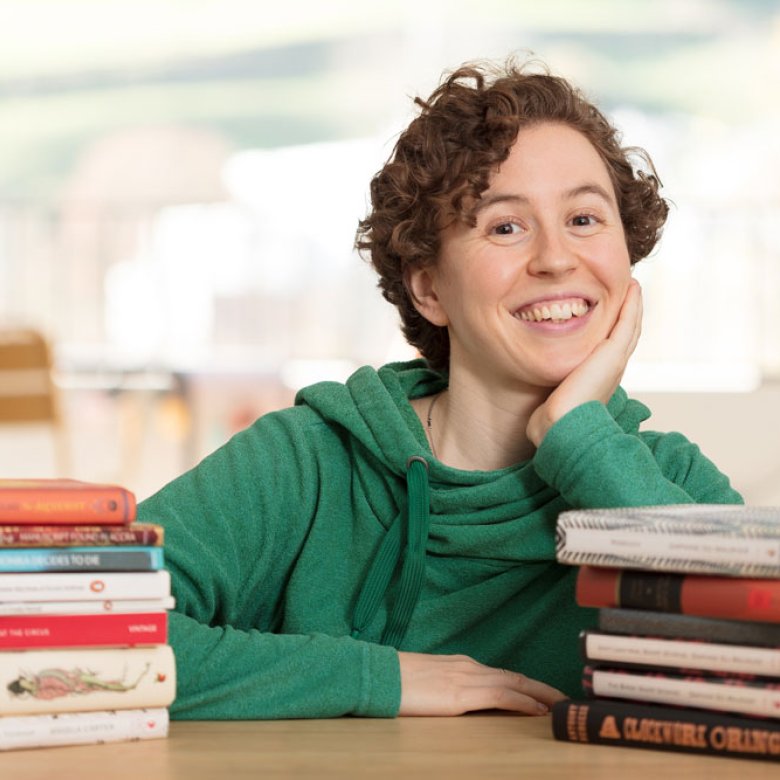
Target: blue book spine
[61, 559]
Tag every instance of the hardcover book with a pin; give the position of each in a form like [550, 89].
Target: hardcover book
[55, 501]
[83, 728]
[138, 534]
[65, 559]
[623, 724]
[26, 632]
[754, 697]
[84, 586]
[675, 626]
[52, 681]
[690, 538]
[733, 598]
[643, 651]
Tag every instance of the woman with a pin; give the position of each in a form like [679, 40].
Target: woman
[386, 546]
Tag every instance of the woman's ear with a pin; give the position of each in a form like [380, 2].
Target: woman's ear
[421, 284]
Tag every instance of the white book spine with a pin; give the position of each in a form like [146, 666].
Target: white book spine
[645, 544]
[706, 656]
[85, 607]
[751, 700]
[92, 586]
[83, 728]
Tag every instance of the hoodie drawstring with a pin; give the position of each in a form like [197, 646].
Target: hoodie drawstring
[386, 560]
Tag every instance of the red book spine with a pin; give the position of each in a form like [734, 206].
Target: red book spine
[135, 534]
[735, 598]
[27, 632]
[62, 501]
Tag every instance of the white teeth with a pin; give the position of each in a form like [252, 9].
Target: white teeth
[559, 311]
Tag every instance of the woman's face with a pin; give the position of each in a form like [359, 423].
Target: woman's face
[538, 282]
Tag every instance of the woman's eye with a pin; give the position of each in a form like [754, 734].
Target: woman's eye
[584, 220]
[506, 229]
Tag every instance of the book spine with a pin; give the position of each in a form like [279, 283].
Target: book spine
[28, 632]
[83, 728]
[725, 694]
[719, 597]
[604, 722]
[682, 654]
[120, 606]
[77, 503]
[658, 549]
[135, 534]
[64, 559]
[676, 626]
[52, 681]
[78, 586]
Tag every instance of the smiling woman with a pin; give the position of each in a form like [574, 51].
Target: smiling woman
[386, 546]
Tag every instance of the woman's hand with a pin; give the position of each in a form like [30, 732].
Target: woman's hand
[456, 684]
[598, 376]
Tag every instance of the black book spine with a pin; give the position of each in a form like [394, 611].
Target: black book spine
[666, 624]
[606, 722]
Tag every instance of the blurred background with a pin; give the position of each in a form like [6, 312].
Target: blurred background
[180, 182]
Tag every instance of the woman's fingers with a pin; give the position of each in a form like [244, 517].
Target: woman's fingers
[453, 685]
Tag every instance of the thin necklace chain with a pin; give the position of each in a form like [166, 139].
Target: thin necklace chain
[429, 424]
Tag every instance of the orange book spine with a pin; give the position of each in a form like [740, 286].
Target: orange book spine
[60, 501]
[735, 598]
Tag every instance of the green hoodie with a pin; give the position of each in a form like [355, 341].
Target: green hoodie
[309, 547]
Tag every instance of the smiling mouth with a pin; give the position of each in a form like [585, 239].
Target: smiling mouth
[554, 311]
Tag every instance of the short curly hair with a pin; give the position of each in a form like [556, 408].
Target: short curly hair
[443, 161]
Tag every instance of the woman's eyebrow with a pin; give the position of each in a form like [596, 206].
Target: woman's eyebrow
[589, 188]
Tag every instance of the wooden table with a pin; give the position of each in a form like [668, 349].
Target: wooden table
[476, 747]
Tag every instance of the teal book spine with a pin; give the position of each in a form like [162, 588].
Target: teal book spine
[58, 559]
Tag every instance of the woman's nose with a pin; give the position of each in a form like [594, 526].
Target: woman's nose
[552, 255]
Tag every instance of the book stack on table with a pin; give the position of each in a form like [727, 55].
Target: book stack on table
[686, 653]
[83, 617]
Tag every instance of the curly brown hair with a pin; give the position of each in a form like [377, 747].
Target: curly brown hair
[443, 161]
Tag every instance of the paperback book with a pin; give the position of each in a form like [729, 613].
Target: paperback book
[81, 586]
[68, 559]
[754, 697]
[53, 681]
[26, 632]
[83, 728]
[643, 651]
[723, 539]
[86, 607]
[138, 534]
[683, 730]
[58, 501]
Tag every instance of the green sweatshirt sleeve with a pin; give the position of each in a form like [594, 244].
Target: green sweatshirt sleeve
[234, 526]
[592, 462]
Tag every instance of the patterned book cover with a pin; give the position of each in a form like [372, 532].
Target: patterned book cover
[81, 586]
[37, 501]
[688, 538]
[755, 697]
[135, 534]
[52, 681]
[83, 728]
[631, 724]
[63, 559]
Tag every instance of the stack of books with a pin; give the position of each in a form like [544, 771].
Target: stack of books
[83, 617]
[686, 655]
